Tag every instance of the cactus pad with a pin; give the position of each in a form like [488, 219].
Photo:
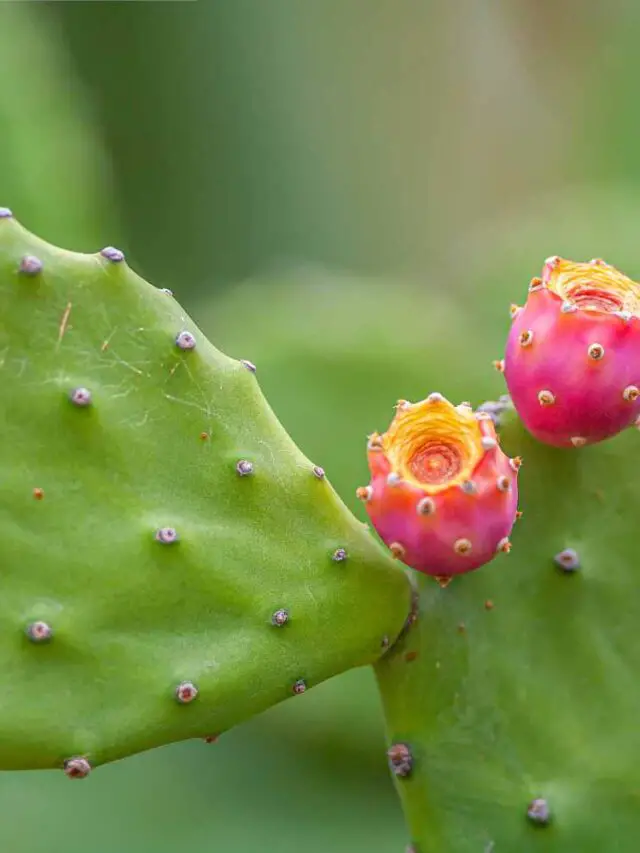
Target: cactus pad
[510, 702]
[171, 562]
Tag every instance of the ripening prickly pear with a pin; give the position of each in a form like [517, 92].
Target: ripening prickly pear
[443, 496]
[572, 360]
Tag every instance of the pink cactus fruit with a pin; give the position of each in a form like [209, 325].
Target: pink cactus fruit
[572, 360]
[443, 496]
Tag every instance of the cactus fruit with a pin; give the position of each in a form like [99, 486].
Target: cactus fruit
[171, 562]
[572, 360]
[512, 694]
[443, 496]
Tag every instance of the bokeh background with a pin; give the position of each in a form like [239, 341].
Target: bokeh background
[349, 193]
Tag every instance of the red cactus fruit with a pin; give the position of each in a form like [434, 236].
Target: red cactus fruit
[443, 496]
[572, 360]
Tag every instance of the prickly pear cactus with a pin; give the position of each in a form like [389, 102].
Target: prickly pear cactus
[511, 705]
[572, 360]
[171, 563]
[443, 495]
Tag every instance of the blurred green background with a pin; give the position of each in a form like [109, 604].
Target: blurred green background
[349, 193]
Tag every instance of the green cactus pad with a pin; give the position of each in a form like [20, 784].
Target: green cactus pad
[515, 690]
[171, 563]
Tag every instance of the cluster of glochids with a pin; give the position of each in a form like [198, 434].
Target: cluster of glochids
[443, 495]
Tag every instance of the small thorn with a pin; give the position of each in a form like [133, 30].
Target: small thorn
[461, 628]
[80, 397]
[631, 393]
[397, 550]
[339, 555]
[30, 265]
[578, 441]
[375, 441]
[77, 768]
[394, 479]
[488, 443]
[519, 514]
[503, 484]
[211, 738]
[299, 686]
[166, 290]
[426, 506]
[567, 560]
[625, 316]
[596, 352]
[538, 811]
[39, 632]
[5, 213]
[400, 759]
[364, 493]
[244, 468]
[498, 365]
[204, 436]
[443, 581]
[514, 309]
[526, 338]
[167, 535]
[504, 546]
[112, 254]
[185, 341]
[248, 364]
[469, 487]
[489, 605]
[462, 547]
[280, 618]
[186, 692]
[546, 398]
[598, 262]
[568, 307]
[410, 656]
[385, 642]
[435, 397]
[515, 463]
[38, 494]
[535, 284]
[318, 472]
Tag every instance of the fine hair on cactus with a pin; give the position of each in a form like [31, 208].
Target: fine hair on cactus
[176, 564]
